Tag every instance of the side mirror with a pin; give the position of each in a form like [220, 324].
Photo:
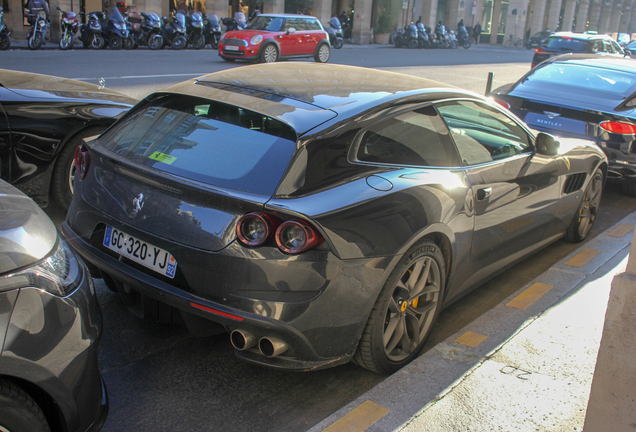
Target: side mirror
[547, 145]
[291, 30]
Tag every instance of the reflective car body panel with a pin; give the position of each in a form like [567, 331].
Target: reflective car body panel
[575, 110]
[341, 178]
[38, 115]
[48, 340]
[568, 42]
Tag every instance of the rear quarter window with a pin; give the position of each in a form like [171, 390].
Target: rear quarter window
[566, 44]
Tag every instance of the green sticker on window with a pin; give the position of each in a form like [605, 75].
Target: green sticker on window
[162, 157]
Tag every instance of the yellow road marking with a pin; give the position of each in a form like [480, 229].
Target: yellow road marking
[582, 258]
[621, 231]
[529, 296]
[360, 419]
[471, 339]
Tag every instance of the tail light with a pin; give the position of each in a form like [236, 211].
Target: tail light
[619, 127]
[292, 237]
[540, 51]
[297, 236]
[504, 104]
[82, 161]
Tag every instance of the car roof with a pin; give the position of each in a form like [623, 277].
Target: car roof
[580, 36]
[623, 64]
[287, 15]
[305, 95]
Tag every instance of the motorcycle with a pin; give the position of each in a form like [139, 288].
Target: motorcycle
[397, 38]
[69, 26]
[452, 39]
[91, 33]
[194, 30]
[212, 30]
[5, 40]
[241, 21]
[174, 32]
[37, 32]
[116, 34]
[145, 29]
[335, 33]
[411, 36]
[230, 24]
[422, 36]
[463, 38]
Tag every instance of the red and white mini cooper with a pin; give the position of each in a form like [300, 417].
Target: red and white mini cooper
[270, 37]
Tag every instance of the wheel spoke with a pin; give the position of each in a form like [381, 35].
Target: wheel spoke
[393, 306]
[416, 270]
[421, 283]
[393, 338]
[415, 335]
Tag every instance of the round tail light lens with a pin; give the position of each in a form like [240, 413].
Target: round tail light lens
[297, 236]
[82, 161]
[618, 127]
[504, 104]
[254, 229]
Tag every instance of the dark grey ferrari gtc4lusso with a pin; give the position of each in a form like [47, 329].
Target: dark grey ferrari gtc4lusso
[320, 214]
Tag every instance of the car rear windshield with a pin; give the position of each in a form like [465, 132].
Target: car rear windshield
[585, 79]
[207, 141]
[566, 44]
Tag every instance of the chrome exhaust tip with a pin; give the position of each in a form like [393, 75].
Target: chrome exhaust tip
[271, 347]
[242, 340]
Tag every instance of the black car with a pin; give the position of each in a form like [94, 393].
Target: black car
[320, 214]
[583, 96]
[538, 39]
[50, 323]
[567, 42]
[42, 120]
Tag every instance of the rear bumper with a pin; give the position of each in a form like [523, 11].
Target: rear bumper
[321, 327]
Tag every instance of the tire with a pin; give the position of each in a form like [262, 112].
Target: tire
[508, 43]
[405, 311]
[198, 41]
[35, 42]
[18, 411]
[392, 38]
[62, 179]
[269, 54]
[215, 45]
[97, 42]
[66, 42]
[519, 44]
[585, 216]
[128, 44]
[115, 43]
[338, 43]
[466, 44]
[155, 42]
[412, 43]
[629, 189]
[323, 54]
[5, 42]
[179, 43]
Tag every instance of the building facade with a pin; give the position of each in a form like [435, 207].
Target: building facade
[498, 18]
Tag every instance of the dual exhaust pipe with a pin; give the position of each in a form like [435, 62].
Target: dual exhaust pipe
[268, 346]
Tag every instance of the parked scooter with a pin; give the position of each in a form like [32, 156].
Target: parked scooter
[116, 32]
[145, 29]
[5, 40]
[36, 34]
[91, 33]
[174, 32]
[334, 29]
[452, 39]
[230, 24]
[194, 30]
[462, 37]
[69, 26]
[411, 36]
[422, 37]
[212, 30]
[241, 21]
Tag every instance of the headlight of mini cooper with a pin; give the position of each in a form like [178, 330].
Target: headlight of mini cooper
[59, 274]
[256, 40]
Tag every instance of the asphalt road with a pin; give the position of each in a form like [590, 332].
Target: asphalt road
[159, 377]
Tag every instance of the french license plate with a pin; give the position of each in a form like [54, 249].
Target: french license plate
[231, 48]
[139, 251]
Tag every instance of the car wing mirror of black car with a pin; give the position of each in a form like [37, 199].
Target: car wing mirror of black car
[291, 30]
[547, 145]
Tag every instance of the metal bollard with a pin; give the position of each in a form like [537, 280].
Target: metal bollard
[491, 75]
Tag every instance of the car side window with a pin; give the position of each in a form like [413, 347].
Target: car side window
[312, 24]
[417, 138]
[294, 23]
[482, 133]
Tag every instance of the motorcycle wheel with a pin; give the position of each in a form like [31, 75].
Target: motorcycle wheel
[115, 42]
[97, 42]
[35, 41]
[179, 43]
[338, 43]
[128, 44]
[66, 42]
[198, 41]
[215, 45]
[5, 42]
[412, 43]
[466, 44]
[155, 42]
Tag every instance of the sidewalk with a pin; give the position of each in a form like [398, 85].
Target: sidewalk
[525, 365]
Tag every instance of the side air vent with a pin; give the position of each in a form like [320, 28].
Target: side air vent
[573, 182]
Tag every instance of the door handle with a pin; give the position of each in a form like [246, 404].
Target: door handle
[306, 36]
[484, 194]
